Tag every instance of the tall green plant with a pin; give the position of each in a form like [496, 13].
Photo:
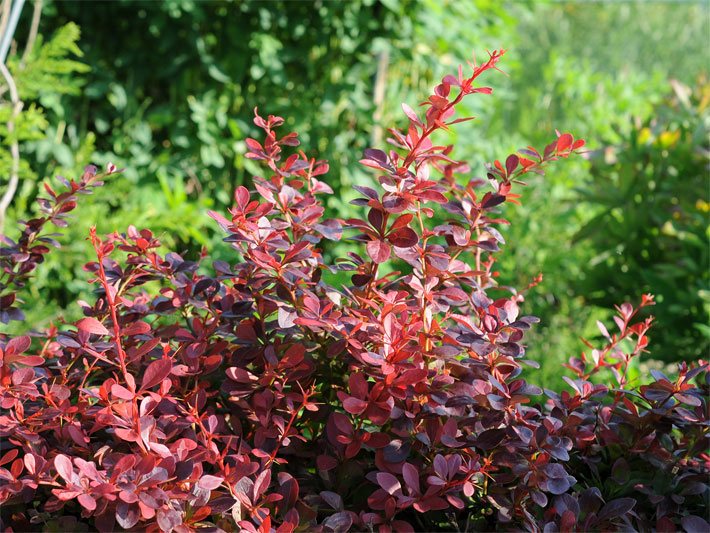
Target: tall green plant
[35, 77]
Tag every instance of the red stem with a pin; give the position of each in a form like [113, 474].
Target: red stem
[272, 456]
[112, 310]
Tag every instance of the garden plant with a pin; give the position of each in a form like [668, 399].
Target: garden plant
[379, 392]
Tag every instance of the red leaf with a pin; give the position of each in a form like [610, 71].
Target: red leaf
[119, 391]
[126, 434]
[403, 238]
[91, 325]
[358, 384]
[64, 467]
[261, 483]
[210, 482]
[10, 456]
[409, 377]
[455, 501]
[223, 222]
[201, 513]
[136, 328]
[492, 200]
[376, 440]
[567, 521]
[18, 345]
[401, 222]
[326, 462]
[31, 360]
[410, 114]
[379, 251]
[156, 372]
[526, 162]
[87, 502]
[468, 489]
[434, 196]
[564, 142]
[376, 218]
[241, 195]
[511, 164]
[388, 482]
[354, 406]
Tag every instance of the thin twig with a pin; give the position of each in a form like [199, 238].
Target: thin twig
[379, 96]
[6, 42]
[14, 147]
[111, 302]
[34, 28]
[6, 5]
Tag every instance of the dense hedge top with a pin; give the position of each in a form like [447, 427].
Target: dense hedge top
[381, 392]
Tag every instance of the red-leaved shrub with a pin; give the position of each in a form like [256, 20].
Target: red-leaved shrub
[284, 393]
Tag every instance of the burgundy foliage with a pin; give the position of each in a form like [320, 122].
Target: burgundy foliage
[285, 393]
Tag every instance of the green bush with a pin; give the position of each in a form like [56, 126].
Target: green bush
[650, 225]
[589, 68]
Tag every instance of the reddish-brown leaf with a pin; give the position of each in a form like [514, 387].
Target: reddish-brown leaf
[379, 251]
[156, 372]
[91, 325]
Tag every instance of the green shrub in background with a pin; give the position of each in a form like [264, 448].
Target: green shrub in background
[588, 68]
[649, 228]
[33, 83]
[32, 121]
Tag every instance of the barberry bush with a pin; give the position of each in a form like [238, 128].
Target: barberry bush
[380, 392]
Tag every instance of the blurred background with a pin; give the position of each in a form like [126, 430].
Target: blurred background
[167, 89]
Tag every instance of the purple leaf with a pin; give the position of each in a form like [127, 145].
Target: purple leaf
[694, 524]
[339, 522]
[411, 477]
[511, 164]
[388, 482]
[127, 515]
[492, 200]
[332, 499]
[168, 519]
[616, 508]
[375, 155]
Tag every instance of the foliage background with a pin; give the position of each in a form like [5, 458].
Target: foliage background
[166, 90]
